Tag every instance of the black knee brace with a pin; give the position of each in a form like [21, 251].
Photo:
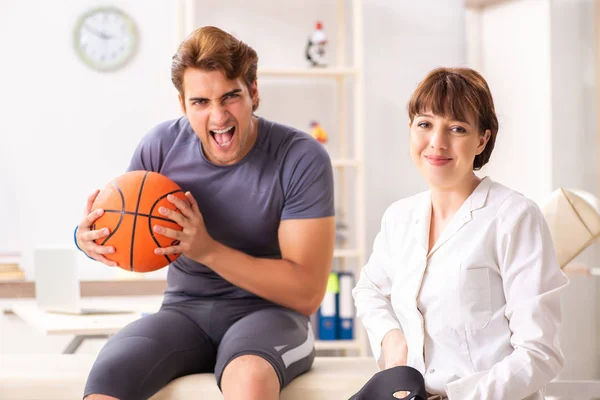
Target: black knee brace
[384, 384]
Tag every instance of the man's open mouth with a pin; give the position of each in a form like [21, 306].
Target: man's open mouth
[223, 137]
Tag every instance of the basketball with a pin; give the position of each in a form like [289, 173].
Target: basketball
[130, 203]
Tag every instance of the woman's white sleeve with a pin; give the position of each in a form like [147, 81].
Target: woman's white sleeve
[372, 294]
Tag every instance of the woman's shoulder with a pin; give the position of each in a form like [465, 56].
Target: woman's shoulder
[512, 205]
[504, 196]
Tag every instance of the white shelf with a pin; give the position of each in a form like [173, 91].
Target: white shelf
[483, 3]
[344, 162]
[346, 253]
[337, 345]
[327, 72]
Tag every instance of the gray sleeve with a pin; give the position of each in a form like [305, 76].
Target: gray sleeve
[148, 155]
[307, 177]
[141, 158]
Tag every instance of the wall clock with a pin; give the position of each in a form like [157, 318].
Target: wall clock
[105, 38]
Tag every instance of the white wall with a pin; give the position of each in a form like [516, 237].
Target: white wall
[66, 129]
[539, 59]
[404, 40]
[574, 95]
[575, 165]
[515, 60]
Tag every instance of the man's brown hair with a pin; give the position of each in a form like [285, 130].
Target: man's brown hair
[210, 48]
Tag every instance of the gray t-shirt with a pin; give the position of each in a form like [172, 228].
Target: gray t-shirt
[286, 175]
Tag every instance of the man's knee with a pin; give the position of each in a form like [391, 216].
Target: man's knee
[250, 370]
[99, 397]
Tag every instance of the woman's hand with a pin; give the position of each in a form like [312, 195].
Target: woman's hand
[394, 349]
[395, 353]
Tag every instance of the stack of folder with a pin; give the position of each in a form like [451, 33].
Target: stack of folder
[336, 314]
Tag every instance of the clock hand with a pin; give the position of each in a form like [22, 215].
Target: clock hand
[101, 35]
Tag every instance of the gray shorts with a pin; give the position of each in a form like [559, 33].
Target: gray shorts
[200, 336]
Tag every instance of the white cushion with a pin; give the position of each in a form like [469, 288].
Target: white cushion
[574, 221]
[62, 377]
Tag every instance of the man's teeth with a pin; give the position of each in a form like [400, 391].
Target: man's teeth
[225, 144]
[223, 130]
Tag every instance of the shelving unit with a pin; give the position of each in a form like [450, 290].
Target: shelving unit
[338, 345]
[346, 253]
[329, 72]
[348, 162]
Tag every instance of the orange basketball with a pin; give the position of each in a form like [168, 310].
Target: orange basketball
[130, 204]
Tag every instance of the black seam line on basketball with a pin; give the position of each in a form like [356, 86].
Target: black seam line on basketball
[114, 183]
[140, 215]
[174, 242]
[137, 207]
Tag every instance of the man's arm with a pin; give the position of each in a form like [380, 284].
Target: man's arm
[296, 281]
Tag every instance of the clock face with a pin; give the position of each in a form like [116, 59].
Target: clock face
[105, 38]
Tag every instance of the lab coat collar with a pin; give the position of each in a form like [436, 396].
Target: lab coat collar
[422, 219]
[479, 195]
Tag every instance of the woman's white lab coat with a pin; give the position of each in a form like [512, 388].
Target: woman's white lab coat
[481, 311]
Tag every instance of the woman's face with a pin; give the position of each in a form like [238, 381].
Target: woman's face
[444, 149]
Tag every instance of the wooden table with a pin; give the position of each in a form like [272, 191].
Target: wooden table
[86, 326]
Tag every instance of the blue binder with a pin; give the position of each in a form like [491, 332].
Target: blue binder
[328, 311]
[346, 306]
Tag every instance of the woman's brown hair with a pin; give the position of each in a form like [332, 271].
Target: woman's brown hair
[461, 94]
